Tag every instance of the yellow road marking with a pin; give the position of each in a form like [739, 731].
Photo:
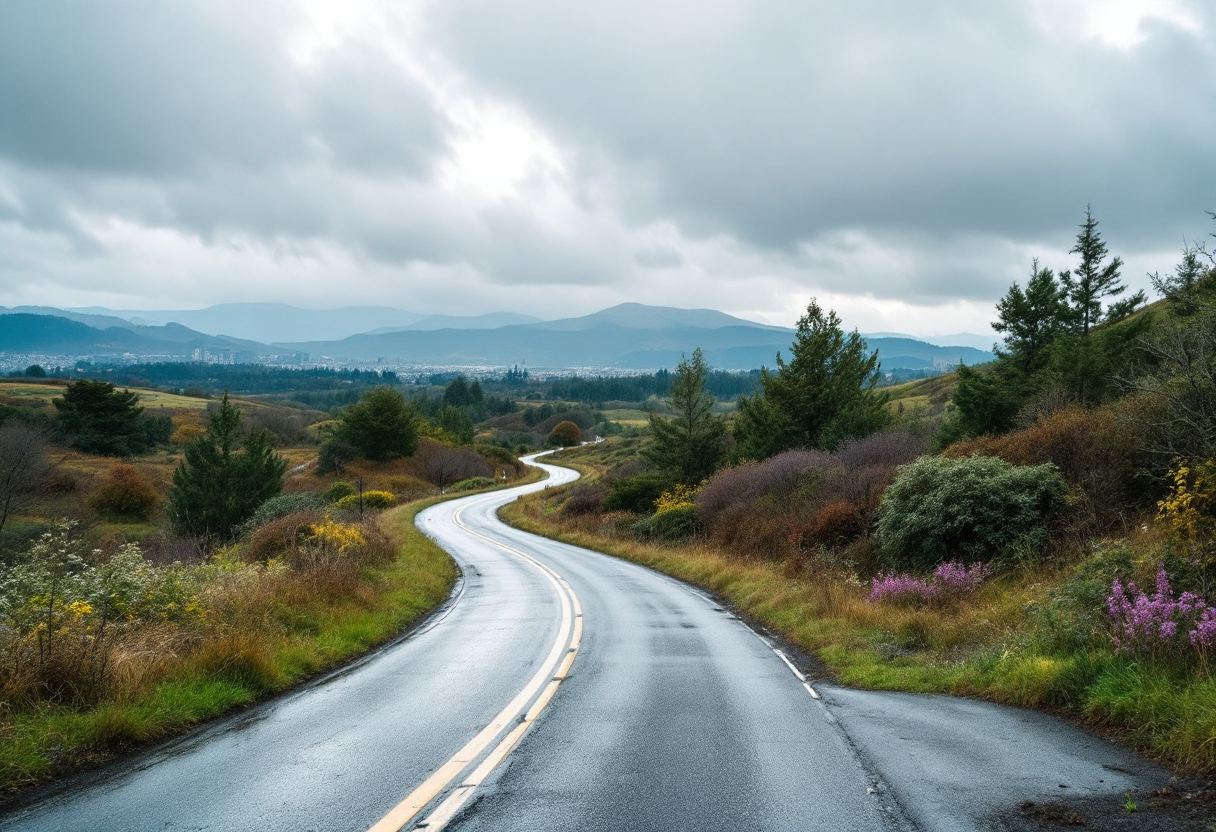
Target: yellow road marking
[561, 655]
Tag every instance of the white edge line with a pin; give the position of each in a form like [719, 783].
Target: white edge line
[790, 665]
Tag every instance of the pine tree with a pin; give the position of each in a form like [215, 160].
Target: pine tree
[826, 392]
[101, 419]
[1031, 319]
[223, 479]
[689, 445]
[1092, 281]
[382, 425]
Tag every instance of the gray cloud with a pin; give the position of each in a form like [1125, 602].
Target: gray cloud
[911, 153]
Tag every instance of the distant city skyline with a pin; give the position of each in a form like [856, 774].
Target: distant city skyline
[903, 163]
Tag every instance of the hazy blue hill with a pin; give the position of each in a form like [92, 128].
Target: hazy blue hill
[640, 316]
[492, 320]
[99, 319]
[628, 336]
[22, 332]
[269, 323]
[25, 333]
[600, 341]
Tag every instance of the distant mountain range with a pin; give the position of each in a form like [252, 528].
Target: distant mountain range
[628, 336]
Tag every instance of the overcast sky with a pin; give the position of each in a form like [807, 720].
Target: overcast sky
[901, 161]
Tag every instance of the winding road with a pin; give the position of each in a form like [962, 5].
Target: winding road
[562, 689]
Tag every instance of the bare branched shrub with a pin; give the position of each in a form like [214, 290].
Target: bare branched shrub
[585, 499]
[442, 465]
[25, 471]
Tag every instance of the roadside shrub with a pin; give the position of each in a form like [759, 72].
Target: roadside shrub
[672, 525]
[281, 506]
[126, 494]
[636, 494]
[442, 465]
[585, 499]
[334, 454]
[565, 433]
[337, 491]
[782, 474]
[939, 509]
[472, 484]
[371, 499]
[281, 535]
[1096, 450]
[678, 496]
[833, 525]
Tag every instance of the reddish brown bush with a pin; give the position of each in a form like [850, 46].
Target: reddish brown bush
[126, 494]
[835, 524]
[585, 499]
[280, 536]
[1095, 450]
[565, 433]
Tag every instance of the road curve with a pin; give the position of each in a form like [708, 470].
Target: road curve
[673, 716]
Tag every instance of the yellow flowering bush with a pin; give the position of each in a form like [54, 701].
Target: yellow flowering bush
[334, 536]
[371, 499]
[678, 496]
[1188, 511]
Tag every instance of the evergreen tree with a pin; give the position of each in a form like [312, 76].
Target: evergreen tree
[381, 426]
[1031, 319]
[760, 430]
[101, 419]
[223, 479]
[1094, 280]
[825, 394]
[689, 445]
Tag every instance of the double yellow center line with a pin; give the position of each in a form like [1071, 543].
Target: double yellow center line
[471, 765]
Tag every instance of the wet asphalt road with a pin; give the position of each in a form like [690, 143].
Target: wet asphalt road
[674, 716]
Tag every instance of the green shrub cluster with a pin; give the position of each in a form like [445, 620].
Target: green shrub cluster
[371, 499]
[972, 509]
[672, 525]
[337, 491]
[281, 506]
[472, 484]
[636, 494]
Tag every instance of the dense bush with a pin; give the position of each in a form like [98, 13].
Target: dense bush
[566, 434]
[273, 539]
[281, 506]
[441, 465]
[370, 499]
[1098, 451]
[334, 454]
[472, 484]
[941, 509]
[833, 525]
[126, 494]
[671, 525]
[337, 491]
[585, 499]
[637, 493]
